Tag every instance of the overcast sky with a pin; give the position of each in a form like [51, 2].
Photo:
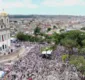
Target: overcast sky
[49, 7]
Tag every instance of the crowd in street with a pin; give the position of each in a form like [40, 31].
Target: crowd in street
[34, 67]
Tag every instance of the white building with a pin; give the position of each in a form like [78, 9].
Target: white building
[4, 32]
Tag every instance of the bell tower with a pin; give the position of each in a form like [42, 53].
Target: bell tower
[4, 19]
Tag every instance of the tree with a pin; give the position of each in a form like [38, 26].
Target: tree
[69, 44]
[61, 30]
[64, 57]
[74, 34]
[83, 42]
[55, 38]
[54, 27]
[83, 28]
[48, 29]
[22, 37]
[78, 62]
[82, 51]
[81, 37]
[37, 31]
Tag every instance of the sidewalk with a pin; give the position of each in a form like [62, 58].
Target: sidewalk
[15, 56]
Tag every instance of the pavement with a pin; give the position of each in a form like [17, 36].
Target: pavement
[15, 56]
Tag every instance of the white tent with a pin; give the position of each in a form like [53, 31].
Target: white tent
[47, 52]
[2, 73]
[44, 52]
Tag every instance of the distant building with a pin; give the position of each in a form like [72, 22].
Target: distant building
[4, 32]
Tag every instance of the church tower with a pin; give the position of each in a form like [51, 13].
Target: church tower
[4, 31]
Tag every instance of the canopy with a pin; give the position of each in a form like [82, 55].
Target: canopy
[47, 52]
[44, 52]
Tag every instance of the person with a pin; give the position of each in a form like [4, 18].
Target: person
[11, 50]
[30, 79]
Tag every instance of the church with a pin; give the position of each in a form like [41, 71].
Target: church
[4, 32]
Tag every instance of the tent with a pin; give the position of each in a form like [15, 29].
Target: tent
[44, 52]
[47, 52]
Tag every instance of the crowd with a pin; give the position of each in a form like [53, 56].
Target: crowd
[34, 67]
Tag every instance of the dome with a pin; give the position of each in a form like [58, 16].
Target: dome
[3, 14]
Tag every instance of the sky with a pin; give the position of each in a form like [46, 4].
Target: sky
[43, 7]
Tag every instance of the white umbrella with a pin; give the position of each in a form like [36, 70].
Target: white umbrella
[2, 73]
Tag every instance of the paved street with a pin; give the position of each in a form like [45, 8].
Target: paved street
[12, 57]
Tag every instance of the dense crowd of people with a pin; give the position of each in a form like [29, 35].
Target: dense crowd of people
[34, 67]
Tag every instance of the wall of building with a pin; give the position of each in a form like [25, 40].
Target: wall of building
[4, 39]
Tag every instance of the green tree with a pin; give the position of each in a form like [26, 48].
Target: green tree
[54, 27]
[55, 38]
[83, 28]
[82, 51]
[61, 30]
[64, 57]
[69, 44]
[78, 62]
[48, 29]
[83, 42]
[22, 37]
[74, 34]
[37, 31]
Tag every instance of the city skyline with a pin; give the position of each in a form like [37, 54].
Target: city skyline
[43, 7]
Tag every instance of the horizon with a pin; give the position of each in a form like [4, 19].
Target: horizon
[43, 7]
[43, 15]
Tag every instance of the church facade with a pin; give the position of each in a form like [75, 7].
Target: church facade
[4, 32]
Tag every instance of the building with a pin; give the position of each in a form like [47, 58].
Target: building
[4, 32]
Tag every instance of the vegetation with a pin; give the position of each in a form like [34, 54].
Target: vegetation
[83, 28]
[37, 31]
[25, 37]
[82, 51]
[46, 48]
[69, 44]
[64, 57]
[70, 40]
[78, 62]
[54, 27]
[61, 30]
[48, 29]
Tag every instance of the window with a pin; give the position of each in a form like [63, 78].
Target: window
[2, 20]
[2, 38]
[0, 48]
[7, 20]
[3, 46]
[1, 26]
[8, 35]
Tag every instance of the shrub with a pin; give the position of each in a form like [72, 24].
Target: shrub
[64, 57]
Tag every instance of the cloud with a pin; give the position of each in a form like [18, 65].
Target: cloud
[56, 3]
[17, 4]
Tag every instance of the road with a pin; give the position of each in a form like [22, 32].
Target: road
[15, 56]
